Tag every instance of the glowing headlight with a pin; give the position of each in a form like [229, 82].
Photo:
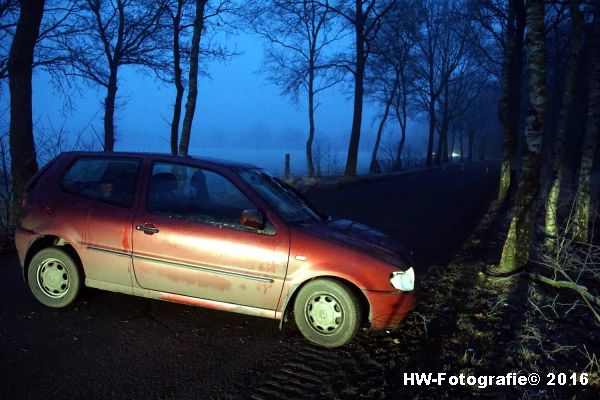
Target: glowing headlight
[403, 280]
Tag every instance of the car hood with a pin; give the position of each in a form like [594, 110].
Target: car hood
[362, 238]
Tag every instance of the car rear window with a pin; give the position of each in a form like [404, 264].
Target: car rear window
[36, 177]
[108, 180]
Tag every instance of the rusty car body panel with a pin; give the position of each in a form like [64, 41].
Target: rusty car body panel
[250, 272]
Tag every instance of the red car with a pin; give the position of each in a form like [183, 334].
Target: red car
[208, 233]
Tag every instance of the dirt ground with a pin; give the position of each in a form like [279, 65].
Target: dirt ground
[117, 346]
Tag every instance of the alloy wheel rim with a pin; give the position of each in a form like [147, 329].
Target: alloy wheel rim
[53, 278]
[324, 313]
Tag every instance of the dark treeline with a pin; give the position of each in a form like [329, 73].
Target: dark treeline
[436, 61]
[549, 113]
[471, 70]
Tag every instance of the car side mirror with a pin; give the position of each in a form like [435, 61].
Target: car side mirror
[252, 219]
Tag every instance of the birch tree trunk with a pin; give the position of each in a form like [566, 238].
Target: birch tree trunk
[515, 252]
[23, 163]
[190, 105]
[558, 162]
[590, 139]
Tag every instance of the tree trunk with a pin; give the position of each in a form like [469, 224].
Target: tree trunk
[515, 252]
[429, 161]
[590, 140]
[441, 157]
[402, 123]
[510, 100]
[23, 163]
[558, 161]
[190, 106]
[453, 144]
[311, 120]
[438, 158]
[445, 145]
[482, 148]
[109, 110]
[445, 127]
[374, 166]
[177, 75]
[359, 73]
[471, 143]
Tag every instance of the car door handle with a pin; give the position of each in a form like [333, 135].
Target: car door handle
[148, 229]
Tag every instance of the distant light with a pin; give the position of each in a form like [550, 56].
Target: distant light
[455, 155]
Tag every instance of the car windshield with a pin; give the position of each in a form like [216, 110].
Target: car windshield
[283, 198]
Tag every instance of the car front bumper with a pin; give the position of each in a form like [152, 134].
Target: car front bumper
[389, 309]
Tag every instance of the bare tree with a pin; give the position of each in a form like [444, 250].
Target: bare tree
[115, 33]
[20, 69]
[387, 94]
[56, 25]
[205, 12]
[300, 34]
[488, 36]
[516, 248]
[463, 87]
[190, 105]
[441, 49]
[365, 19]
[176, 10]
[390, 72]
[32, 28]
[591, 138]
[9, 14]
[479, 118]
[184, 19]
[401, 104]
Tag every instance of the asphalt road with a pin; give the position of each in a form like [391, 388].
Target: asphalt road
[109, 345]
[431, 212]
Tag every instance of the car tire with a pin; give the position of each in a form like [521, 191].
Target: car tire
[54, 278]
[327, 312]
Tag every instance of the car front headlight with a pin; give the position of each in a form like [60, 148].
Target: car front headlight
[403, 280]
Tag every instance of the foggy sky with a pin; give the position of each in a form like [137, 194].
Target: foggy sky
[237, 108]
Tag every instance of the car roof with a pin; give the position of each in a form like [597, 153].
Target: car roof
[166, 156]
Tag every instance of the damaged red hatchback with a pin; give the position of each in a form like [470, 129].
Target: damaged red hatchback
[208, 233]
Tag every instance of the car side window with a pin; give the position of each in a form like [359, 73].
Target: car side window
[107, 180]
[195, 194]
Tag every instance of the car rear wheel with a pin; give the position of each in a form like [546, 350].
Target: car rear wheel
[54, 278]
[327, 312]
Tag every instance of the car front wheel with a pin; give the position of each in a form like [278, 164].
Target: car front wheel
[54, 278]
[327, 312]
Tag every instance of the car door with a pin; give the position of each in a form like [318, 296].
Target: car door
[189, 241]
